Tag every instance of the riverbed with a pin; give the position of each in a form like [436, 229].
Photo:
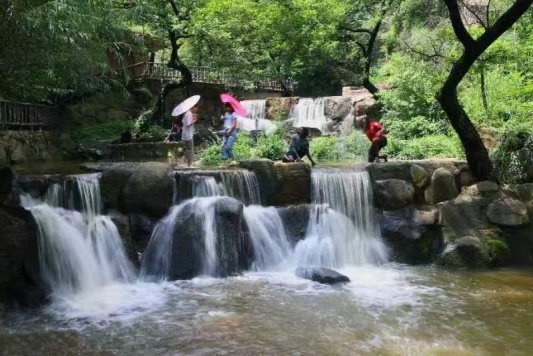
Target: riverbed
[391, 309]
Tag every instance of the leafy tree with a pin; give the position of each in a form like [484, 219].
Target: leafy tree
[476, 153]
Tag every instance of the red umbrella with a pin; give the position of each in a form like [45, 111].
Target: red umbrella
[235, 104]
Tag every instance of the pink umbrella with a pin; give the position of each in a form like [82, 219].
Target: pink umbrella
[235, 104]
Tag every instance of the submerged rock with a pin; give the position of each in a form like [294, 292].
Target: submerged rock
[321, 275]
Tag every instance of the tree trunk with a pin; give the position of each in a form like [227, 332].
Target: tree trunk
[484, 92]
[368, 61]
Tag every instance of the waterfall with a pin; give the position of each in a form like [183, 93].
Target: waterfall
[310, 113]
[206, 187]
[256, 119]
[271, 246]
[78, 250]
[342, 229]
[193, 225]
[241, 185]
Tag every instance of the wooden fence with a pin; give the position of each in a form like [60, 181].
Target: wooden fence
[206, 75]
[15, 115]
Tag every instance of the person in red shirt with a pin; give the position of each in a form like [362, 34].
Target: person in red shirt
[376, 134]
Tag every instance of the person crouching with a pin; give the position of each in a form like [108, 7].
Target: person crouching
[376, 134]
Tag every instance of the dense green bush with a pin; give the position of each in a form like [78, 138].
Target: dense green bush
[331, 148]
[246, 147]
[99, 131]
[425, 147]
[514, 156]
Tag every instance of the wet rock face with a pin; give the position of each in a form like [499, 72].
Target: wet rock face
[23, 146]
[393, 194]
[466, 252]
[234, 252]
[321, 275]
[19, 271]
[295, 220]
[149, 190]
[508, 212]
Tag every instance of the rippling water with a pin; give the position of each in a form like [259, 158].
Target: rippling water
[389, 310]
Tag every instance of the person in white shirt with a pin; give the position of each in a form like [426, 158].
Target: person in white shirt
[187, 133]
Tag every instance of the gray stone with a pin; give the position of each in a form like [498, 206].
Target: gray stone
[267, 177]
[337, 107]
[391, 194]
[442, 187]
[485, 188]
[465, 177]
[294, 184]
[20, 284]
[149, 190]
[427, 217]
[295, 220]
[321, 275]
[508, 212]
[463, 217]
[465, 252]
[419, 176]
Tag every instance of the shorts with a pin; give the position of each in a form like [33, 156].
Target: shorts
[373, 152]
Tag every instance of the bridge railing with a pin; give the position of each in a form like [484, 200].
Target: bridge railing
[16, 115]
[207, 75]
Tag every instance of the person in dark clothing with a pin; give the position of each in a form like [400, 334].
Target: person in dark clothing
[175, 132]
[376, 134]
[299, 147]
[126, 136]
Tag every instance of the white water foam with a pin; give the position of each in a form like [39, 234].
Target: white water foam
[310, 113]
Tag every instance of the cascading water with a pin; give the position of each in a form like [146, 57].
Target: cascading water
[206, 187]
[310, 113]
[271, 246]
[256, 119]
[341, 230]
[78, 251]
[241, 185]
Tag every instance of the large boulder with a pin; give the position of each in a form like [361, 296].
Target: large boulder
[411, 235]
[508, 212]
[465, 252]
[20, 283]
[321, 275]
[486, 189]
[295, 220]
[419, 176]
[391, 194]
[189, 253]
[149, 190]
[337, 107]
[442, 187]
[294, 184]
[464, 217]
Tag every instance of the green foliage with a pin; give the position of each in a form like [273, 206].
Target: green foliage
[100, 131]
[153, 133]
[349, 147]
[514, 156]
[246, 147]
[425, 147]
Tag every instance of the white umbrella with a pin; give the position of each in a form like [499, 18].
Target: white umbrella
[186, 105]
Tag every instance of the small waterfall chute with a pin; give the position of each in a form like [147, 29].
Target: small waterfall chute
[256, 119]
[310, 113]
[271, 246]
[78, 250]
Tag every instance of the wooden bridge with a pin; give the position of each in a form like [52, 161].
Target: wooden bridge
[16, 115]
[204, 75]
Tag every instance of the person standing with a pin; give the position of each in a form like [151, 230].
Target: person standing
[230, 134]
[187, 133]
[376, 134]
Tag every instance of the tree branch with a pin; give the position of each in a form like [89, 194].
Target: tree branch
[505, 21]
[473, 12]
[458, 25]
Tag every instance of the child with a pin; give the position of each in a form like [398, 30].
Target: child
[230, 134]
[187, 133]
[175, 132]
